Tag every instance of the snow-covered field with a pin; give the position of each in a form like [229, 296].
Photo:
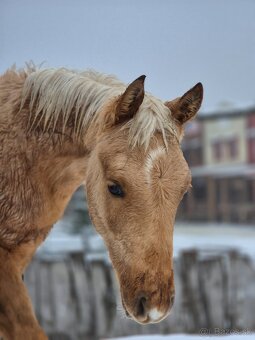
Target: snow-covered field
[202, 236]
[213, 236]
[190, 337]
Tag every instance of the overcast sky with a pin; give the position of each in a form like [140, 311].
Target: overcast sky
[175, 43]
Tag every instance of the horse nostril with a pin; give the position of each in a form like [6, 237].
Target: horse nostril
[142, 306]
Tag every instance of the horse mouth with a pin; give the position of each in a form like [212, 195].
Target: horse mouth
[141, 320]
[144, 315]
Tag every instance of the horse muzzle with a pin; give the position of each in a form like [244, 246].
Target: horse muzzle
[144, 311]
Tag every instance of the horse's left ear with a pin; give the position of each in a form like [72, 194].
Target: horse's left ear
[185, 108]
[130, 101]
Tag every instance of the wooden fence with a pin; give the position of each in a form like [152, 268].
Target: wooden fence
[77, 300]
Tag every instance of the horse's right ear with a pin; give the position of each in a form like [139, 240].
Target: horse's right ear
[130, 101]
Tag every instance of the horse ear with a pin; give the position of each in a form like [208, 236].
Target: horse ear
[130, 100]
[185, 108]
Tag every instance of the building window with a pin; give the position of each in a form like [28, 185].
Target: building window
[199, 189]
[194, 157]
[217, 150]
[252, 150]
[233, 148]
[250, 187]
[235, 190]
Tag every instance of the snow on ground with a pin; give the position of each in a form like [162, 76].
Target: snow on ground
[59, 241]
[210, 236]
[190, 337]
[214, 236]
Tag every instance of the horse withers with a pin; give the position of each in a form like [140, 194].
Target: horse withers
[60, 129]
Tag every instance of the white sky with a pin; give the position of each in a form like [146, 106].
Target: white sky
[176, 43]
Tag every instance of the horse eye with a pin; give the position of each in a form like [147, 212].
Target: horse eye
[116, 190]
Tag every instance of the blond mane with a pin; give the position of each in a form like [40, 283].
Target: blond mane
[58, 93]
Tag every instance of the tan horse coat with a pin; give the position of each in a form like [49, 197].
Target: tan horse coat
[60, 129]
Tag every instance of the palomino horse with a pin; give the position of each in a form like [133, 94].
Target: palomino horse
[60, 129]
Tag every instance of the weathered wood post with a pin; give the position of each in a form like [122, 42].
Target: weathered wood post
[76, 299]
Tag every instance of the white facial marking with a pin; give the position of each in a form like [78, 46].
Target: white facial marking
[155, 314]
[151, 158]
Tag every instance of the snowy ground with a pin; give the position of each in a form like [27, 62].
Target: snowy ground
[191, 337]
[214, 236]
[186, 236]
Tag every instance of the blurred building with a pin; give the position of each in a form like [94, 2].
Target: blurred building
[220, 149]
